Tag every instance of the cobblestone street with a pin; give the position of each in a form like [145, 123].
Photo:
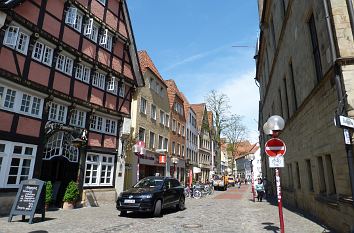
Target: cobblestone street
[230, 211]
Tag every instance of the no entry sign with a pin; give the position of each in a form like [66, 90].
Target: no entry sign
[275, 147]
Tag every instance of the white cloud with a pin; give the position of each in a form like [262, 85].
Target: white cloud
[244, 97]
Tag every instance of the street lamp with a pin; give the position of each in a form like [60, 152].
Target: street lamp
[138, 149]
[273, 126]
[174, 161]
[250, 158]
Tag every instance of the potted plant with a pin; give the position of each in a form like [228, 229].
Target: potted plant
[71, 195]
[48, 194]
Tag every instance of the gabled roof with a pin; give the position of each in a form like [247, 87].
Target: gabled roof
[186, 106]
[199, 110]
[244, 148]
[146, 63]
[172, 91]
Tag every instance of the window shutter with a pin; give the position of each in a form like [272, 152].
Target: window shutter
[71, 16]
[88, 28]
[11, 36]
[103, 40]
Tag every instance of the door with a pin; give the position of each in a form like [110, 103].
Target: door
[176, 187]
[167, 193]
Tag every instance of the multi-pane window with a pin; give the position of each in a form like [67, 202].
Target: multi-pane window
[165, 144]
[98, 80]
[19, 101]
[74, 18]
[183, 131]
[153, 111]
[143, 104]
[174, 125]
[19, 158]
[103, 125]
[99, 170]
[162, 117]
[16, 39]
[57, 112]
[106, 40]
[152, 140]
[112, 85]
[83, 73]
[91, 30]
[178, 128]
[78, 118]
[64, 64]
[42, 53]
[178, 108]
[30, 104]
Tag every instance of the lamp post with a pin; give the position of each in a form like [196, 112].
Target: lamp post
[174, 161]
[138, 149]
[250, 158]
[273, 126]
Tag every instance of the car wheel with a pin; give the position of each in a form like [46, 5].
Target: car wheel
[123, 213]
[181, 204]
[157, 209]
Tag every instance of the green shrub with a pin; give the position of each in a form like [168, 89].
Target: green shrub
[48, 192]
[71, 193]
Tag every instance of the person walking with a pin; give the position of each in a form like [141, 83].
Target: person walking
[260, 189]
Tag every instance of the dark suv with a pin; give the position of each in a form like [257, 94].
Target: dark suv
[151, 195]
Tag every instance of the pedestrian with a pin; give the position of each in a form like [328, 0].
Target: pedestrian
[260, 189]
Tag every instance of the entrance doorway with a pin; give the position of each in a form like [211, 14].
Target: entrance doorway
[60, 172]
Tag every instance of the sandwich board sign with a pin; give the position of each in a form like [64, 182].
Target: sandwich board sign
[29, 200]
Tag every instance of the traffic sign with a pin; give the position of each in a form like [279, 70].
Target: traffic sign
[275, 147]
[277, 161]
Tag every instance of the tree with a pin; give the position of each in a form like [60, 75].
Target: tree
[235, 133]
[218, 103]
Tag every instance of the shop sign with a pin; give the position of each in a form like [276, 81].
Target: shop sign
[162, 159]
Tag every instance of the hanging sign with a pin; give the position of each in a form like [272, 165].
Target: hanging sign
[162, 159]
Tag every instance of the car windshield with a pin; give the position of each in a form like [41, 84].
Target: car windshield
[149, 183]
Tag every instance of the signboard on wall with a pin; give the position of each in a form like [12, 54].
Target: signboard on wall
[275, 162]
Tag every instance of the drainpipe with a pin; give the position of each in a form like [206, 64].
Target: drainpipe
[351, 15]
[340, 94]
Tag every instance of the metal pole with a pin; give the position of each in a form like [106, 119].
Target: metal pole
[137, 168]
[253, 194]
[280, 204]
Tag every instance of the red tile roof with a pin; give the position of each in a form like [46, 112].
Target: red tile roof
[172, 91]
[199, 112]
[146, 63]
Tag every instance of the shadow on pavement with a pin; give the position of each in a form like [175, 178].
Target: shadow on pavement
[35, 220]
[269, 227]
[148, 215]
[39, 231]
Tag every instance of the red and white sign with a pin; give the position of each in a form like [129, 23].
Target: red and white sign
[141, 144]
[162, 159]
[275, 147]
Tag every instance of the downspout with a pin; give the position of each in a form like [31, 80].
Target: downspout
[341, 95]
[351, 15]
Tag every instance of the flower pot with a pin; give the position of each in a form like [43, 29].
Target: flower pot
[68, 205]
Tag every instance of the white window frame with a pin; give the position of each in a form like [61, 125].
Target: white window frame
[83, 73]
[153, 140]
[75, 116]
[99, 80]
[20, 40]
[53, 115]
[34, 110]
[91, 30]
[144, 140]
[106, 40]
[64, 64]
[162, 117]
[100, 163]
[41, 52]
[98, 124]
[143, 105]
[7, 155]
[112, 85]
[121, 91]
[167, 120]
[74, 18]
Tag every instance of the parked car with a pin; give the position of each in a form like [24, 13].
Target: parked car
[220, 182]
[152, 195]
[231, 181]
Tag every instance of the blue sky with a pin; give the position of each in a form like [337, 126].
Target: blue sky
[191, 42]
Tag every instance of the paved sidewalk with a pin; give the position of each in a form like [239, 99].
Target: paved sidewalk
[231, 211]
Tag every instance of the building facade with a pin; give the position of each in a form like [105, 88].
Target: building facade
[150, 123]
[67, 73]
[177, 148]
[204, 141]
[305, 69]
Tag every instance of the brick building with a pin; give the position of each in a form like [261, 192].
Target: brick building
[177, 148]
[307, 79]
[67, 73]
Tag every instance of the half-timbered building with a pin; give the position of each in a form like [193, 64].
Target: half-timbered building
[67, 73]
